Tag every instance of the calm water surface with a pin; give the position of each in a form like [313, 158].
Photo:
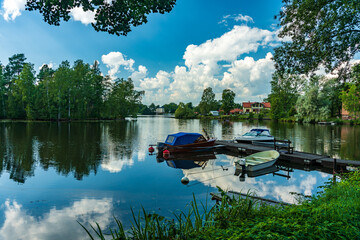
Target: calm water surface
[52, 175]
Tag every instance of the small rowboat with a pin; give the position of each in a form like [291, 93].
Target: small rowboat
[258, 161]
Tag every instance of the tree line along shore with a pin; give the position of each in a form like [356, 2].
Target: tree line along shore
[81, 92]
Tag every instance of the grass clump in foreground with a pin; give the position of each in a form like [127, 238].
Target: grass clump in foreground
[333, 213]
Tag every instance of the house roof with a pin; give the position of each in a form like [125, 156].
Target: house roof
[248, 104]
[236, 110]
[267, 104]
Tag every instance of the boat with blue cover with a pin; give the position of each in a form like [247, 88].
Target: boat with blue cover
[186, 142]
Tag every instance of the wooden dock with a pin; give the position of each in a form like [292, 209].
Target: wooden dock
[297, 157]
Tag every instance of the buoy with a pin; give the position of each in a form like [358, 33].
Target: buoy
[166, 154]
[185, 180]
[151, 149]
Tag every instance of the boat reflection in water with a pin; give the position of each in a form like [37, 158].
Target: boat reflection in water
[252, 174]
[187, 160]
[190, 161]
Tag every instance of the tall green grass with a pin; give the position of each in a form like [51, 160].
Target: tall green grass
[334, 213]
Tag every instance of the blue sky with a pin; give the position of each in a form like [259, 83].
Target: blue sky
[199, 44]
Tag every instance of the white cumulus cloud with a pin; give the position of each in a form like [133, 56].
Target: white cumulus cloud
[85, 17]
[219, 63]
[237, 18]
[114, 60]
[138, 75]
[243, 18]
[240, 40]
[12, 9]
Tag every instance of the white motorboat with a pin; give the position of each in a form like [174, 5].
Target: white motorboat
[256, 134]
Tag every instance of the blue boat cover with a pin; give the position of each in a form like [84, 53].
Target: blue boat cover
[182, 138]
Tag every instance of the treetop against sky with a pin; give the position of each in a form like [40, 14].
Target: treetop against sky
[173, 57]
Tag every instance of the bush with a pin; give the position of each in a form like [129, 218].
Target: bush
[261, 116]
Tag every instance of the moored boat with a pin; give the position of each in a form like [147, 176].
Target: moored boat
[258, 161]
[186, 142]
[256, 134]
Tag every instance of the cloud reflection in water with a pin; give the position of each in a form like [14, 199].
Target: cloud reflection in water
[57, 223]
[214, 175]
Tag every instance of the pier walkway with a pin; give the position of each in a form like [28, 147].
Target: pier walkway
[287, 156]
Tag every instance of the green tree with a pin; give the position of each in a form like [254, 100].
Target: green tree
[331, 91]
[208, 101]
[285, 90]
[97, 85]
[184, 111]
[228, 97]
[351, 99]
[11, 72]
[145, 110]
[3, 92]
[115, 17]
[355, 75]
[61, 90]
[170, 108]
[323, 33]
[314, 104]
[152, 107]
[14, 67]
[123, 100]
[43, 103]
[24, 91]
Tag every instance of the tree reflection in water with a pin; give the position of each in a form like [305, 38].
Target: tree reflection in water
[70, 148]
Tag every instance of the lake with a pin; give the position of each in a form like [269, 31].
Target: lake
[54, 174]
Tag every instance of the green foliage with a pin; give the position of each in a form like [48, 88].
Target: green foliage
[152, 108]
[314, 105]
[3, 93]
[351, 100]
[170, 108]
[251, 115]
[322, 33]
[116, 17]
[145, 110]
[284, 93]
[184, 111]
[208, 102]
[261, 116]
[228, 97]
[78, 92]
[123, 100]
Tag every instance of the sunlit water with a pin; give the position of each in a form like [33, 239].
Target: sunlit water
[54, 174]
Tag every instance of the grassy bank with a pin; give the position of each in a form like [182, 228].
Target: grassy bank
[334, 213]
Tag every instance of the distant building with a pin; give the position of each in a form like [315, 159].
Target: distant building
[214, 113]
[255, 107]
[160, 110]
[346, 115]
[236, 111]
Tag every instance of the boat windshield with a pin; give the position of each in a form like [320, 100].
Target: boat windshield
[251, 133]
[265, 133]
[254, 133]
